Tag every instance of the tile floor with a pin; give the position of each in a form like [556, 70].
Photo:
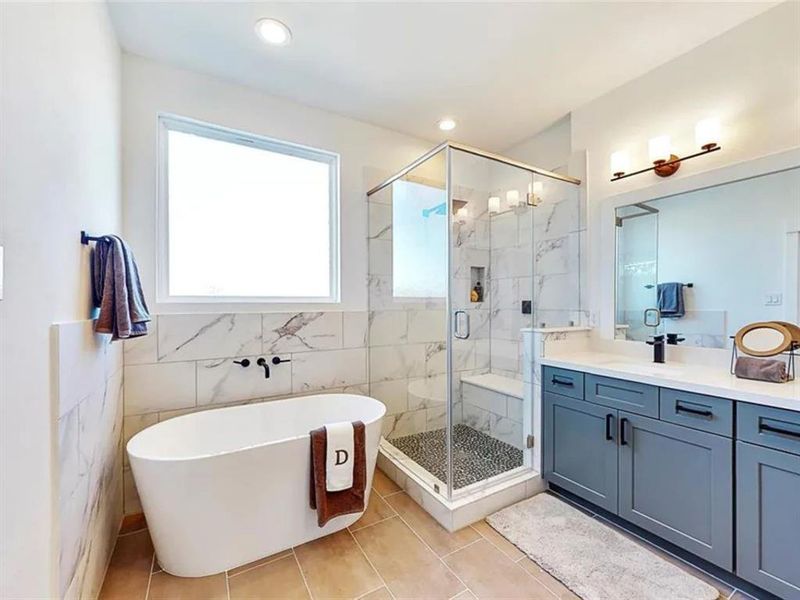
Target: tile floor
[396, 550]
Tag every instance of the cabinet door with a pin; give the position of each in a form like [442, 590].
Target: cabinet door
[677, 483]
[580, 449]
[768, 519]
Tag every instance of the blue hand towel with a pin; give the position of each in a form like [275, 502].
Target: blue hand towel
[670, 300]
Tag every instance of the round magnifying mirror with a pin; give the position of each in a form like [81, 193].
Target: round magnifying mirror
[763, 339]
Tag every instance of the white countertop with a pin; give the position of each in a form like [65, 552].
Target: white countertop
[711, 381]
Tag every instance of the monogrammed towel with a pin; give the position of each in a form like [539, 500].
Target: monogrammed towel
[333, 504]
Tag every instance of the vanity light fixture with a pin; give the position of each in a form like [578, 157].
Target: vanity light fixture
[665, 163]
[494, 205]
[535, 193]
[447, 124]
[273, 32]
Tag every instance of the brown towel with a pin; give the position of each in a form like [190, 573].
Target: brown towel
[117, 290]
[333, 504]
[771, 370]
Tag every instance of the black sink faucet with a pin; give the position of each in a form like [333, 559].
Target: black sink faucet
[658, 345]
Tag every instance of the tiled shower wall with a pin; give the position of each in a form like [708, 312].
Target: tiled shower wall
[88, 384]
[186, 364]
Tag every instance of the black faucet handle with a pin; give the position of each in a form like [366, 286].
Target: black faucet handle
[674, 340]
[276, 360]
[245, 362]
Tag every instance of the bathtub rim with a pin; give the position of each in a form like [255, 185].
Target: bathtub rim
[244, 448]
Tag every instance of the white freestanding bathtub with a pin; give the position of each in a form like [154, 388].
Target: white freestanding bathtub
[225, 487]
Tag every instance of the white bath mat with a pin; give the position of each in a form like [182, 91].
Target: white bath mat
[593, 560]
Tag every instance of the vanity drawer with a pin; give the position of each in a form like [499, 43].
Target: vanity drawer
[630, 396]
[697, 411]
[770, 427]
[563, 381]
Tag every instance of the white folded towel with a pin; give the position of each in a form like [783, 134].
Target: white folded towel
[339, 457]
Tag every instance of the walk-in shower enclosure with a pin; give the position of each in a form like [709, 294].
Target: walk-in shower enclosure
[466, 249]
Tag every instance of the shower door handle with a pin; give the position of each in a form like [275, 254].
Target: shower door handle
[456, 324]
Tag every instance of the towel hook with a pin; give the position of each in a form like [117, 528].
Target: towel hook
[86, 238]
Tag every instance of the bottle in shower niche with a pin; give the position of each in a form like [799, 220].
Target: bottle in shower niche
[476, 295]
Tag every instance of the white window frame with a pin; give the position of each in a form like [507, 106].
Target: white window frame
[170, 122]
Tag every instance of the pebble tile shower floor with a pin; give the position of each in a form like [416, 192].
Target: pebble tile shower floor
[476, 456]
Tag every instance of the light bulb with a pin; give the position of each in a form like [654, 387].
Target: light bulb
[538, 186]
[620, 163]
[660, 149]
[447, 124]
[707, 133]
[512, 197]
[494, 204]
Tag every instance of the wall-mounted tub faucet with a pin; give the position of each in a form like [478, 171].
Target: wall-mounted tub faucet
[262, 362]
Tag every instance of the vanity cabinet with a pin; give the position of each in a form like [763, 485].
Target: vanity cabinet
[677, 483]
[768, 499]
[683, 466]
[581, 449]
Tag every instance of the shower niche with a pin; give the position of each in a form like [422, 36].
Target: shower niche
[452, 260]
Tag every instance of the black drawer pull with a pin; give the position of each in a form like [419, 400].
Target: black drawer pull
[693, 411]
[609, 422]
[623, 422]
[566, 382]
[778, 430]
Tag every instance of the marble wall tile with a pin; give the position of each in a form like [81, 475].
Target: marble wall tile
[427, 326]
[558, 292]
[221, 381]
[477, 418]
[132, 503]
[556, 218]
[504, 292]
[435, 417]
[133, 424]
[407, 423]
[142, 350]
[380, 222]
[388, 327]
[300, 332]
[394, 394]
[355, 325]
[397, 362]
[506, 324]
[505, 355]
[380, 257]
[505, 231]
[379, 289]
[506, 430]
[201, 337]
[514, 408]
[488, 400]
[162, 386]
[328, 369]
[511, 262]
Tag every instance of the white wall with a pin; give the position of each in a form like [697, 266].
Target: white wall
[549, 149]
[59, 174]
[748, 77]
[367, 152]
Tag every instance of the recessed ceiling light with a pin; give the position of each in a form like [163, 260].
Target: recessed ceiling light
[273, 32]
[447, 124]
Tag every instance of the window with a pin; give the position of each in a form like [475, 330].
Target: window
[244, 218]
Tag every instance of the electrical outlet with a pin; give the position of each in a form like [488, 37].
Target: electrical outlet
[773, 300]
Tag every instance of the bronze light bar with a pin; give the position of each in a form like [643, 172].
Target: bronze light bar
[665, 168]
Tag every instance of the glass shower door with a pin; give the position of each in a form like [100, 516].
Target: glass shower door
[407, 330]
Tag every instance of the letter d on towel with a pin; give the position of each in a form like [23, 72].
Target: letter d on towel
[338, 464]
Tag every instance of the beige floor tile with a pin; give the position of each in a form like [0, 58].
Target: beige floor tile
[379, 594]
[260, 561]
[382, 484]
[437, 537]
[131, 523]
[129, 569]
[335, 567]
[489, 573]
[377, 510]
[550, 582]
[164, 586]
[278, 579]
[498, 540]
[465, 595]
[408, 567]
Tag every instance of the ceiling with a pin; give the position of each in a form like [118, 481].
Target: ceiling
[503, 71]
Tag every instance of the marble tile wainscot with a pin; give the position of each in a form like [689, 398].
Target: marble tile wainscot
[187, 364]
[88, 385]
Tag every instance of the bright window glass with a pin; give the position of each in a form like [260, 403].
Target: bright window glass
[248, 219]
[419, 242]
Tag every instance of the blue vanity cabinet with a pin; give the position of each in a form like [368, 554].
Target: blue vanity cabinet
[677, 483]
[580, 449]
[768, 512]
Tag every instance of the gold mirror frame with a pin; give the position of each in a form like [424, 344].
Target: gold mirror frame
[781, 328]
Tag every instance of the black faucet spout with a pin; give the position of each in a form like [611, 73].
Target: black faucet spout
[262, 362]
[659, 346]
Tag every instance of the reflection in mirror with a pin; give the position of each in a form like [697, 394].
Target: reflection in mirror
[711, 260]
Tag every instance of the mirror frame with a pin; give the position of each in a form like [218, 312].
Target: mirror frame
[606, 283]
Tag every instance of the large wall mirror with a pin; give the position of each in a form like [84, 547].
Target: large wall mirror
[711, 260]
